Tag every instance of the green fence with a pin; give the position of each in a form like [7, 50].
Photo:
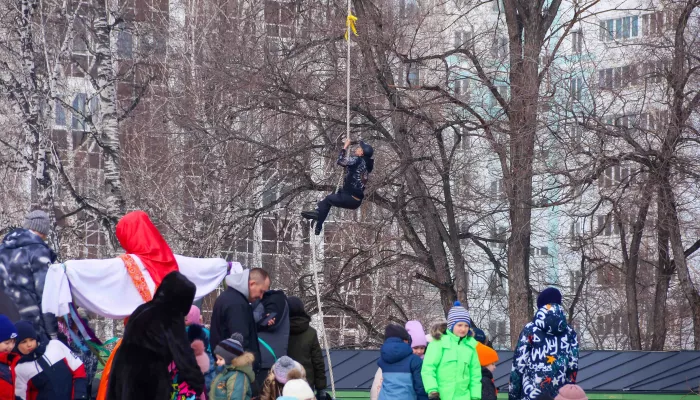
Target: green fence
[356, 395]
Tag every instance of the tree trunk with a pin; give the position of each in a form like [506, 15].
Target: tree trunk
[631, 260]
[108, 124]
[663, 280]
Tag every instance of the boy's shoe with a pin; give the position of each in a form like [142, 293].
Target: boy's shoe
[310, 214]
[317, 229]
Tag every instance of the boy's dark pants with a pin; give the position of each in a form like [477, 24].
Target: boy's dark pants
[341, 200]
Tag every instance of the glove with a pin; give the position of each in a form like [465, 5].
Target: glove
[434, 396]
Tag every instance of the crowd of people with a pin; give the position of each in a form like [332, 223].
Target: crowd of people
[259, 345]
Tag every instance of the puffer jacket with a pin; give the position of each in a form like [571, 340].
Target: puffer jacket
[451, 367]
[24, 262]
[401, 371]
[546, 357]
[234, 382]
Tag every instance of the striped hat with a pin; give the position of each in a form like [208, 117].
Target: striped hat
[230, 348]
[457, 314]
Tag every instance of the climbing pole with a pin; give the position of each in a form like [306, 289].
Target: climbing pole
[314, 239]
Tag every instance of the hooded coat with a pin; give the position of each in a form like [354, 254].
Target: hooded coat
[24, 262]
[154, 338]
[451, 367]
[275, 336]
[235, 381]
[304, 346]
[401, 371]
[233, 313]
[357, 173]
[546, 356]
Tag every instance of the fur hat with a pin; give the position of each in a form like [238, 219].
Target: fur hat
[457, 314]
[298, 389]
[571, 392]
[549, 296]
[487, 355]
[283, 367]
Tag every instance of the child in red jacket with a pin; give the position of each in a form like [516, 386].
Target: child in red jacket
[8, 360]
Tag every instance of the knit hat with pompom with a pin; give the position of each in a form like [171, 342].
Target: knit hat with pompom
[458, 314]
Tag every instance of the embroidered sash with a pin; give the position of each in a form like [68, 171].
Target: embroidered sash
[137, 277]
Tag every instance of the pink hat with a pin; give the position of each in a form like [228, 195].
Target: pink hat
[571, 392]
[194, 316]
[415, 329]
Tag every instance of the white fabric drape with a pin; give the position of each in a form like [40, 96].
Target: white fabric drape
[105, 288]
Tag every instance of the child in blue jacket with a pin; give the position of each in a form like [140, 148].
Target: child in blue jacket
[401, 369]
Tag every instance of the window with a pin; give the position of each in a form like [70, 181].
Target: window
[653, 24]
[575, 278]
[279, 19]
[125, 43]
[497, 333]
[465, 40]
[576, 88]
[408, 8]
[461, 87]
[618, 78]
[499, 48]
[619, 28]
[79, 112]
[609, 275]
[60, 113]
[498, 233]
[497, 191]
[612, 324]
[577, 41]
[539, 251]
[655, 71]
[462, 137]
[413, 75]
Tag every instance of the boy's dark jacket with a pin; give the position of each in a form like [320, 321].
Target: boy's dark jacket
[357, 173]
[488, 387]
[154, 337]
[400, 371]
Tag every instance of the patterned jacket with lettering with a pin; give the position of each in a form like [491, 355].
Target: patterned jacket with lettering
[24, 262]
[546, 356]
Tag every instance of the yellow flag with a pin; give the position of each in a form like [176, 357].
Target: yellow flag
[350, 23]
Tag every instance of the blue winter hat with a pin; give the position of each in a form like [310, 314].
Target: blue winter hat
[7, 329]
[549, 296]
[25, 330]
[457, 314]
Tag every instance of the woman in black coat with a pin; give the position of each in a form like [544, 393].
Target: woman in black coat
[154, 338]
[304, 346]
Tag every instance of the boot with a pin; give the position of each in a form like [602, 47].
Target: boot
[310, 215]
[317, 229]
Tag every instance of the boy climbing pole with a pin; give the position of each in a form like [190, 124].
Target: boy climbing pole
[350, 196]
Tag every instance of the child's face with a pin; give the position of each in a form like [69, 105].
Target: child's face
[461, 329]
[220, 361]
[419, 351]
[7, 346]
[359, 152]
[27, 346]
[491, 367]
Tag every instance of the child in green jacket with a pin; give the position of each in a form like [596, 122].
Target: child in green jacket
[235, 380]
[451, 368]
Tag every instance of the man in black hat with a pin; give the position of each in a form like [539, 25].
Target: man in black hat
[350, 196]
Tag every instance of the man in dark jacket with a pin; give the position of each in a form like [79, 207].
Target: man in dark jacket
[304, 346]
[233, 312]
[272, 316]
[24, 261]
[350, 196]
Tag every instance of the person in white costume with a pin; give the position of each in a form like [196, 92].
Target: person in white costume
[115, 287]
